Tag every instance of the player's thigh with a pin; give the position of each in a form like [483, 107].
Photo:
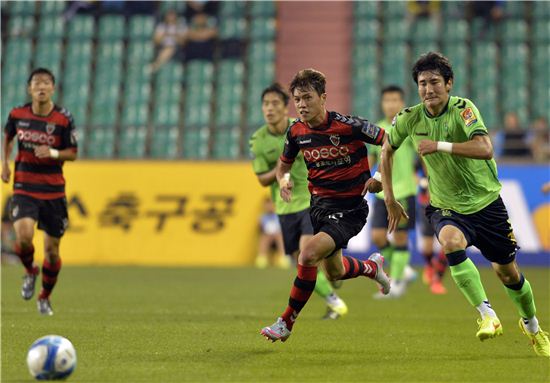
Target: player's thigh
[24, 213]
[304, 239]
[53, 217]
[453, 231]
[316, 249]
[334, 265]
[24, 229]
[494, 234]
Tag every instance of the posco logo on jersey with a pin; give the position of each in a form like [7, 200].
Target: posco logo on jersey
[37, 137]
[325, 153]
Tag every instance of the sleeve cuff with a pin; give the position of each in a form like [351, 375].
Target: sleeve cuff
[286, 160]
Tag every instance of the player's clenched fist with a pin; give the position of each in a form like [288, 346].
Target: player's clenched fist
[427, 147]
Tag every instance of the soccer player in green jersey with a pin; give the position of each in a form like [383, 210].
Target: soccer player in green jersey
[404, 185]
[465, 206]
[266, 146]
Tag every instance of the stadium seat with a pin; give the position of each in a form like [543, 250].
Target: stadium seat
[396, 10]
[395, 64]
[452, 10]
[395, 31]
[21, 7]
[455, 30]
[22, 25]
[541, 9]
[50, 28]
[458, 55]
[164, 143]
[48, 55]
[81, 27]
[51, 8]
[541, 31]
[166, 115]
[111, 28]
[513, 31]
[101, 142]
[366, 30]
[365, 10]
[230, 9]
[178, 6]
[132, 142]
[195, 142]
[514, 9]
[226, 143]
[419, 48]
[482, 31]
[262, 29]
[232, 28]
[425, 31]
[141, 28]
[259, 9]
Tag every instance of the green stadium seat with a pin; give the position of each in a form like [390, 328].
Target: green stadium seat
[178, 6]
[541, 31]
[232, 28]
[196, 113]
[51, 28]
[48, 55]
[166, 115]
[263, 29]
[230, 9]
[513, 31]
[21, 7]
[111, 28]
[110, 52]
[365, 10]
[51, 8]
[140, 53]
[365, 68]
[81, 27]
[455, 31]
[200, 72]
[195, 142]
[132, 142]
[482, 31]
[395, 31]
[141, 28]
[226, 144]
[514, 9]
[395, 64]
[17, 51]
[394, 10]
[541, 9]
[260, 9]
[418, 49]
[137, 92]
[21, 25]
[452, 9]
[366, 30]
[484, 64]
[135, 113]
[425, 30]
[169, 73]
[101, 142]
[164, 143]
[458, 54]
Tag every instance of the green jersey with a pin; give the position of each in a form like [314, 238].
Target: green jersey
[266, 148]
[403, 170]
[461, 184]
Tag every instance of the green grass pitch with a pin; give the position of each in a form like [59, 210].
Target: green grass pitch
[132, 324]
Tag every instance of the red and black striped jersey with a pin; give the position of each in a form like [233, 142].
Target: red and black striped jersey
[335, 154]
[41, 178]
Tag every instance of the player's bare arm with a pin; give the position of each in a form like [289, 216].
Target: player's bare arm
[284, 181]
[7, 147]
[44, 151]
[395, 209]
[479, 147]
[267, 178]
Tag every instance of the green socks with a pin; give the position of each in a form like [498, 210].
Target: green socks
[466, 277]
[399, 260]
[322, 286]
[522, 296]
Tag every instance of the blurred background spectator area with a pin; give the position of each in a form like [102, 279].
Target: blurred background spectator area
[142, 82]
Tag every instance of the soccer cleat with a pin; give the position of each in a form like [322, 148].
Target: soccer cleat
[427, 274]
[437, 288]
[331, 315]
[397, 290]
[539, 340]
[277, 331]
[44, 306]
[489, 327]
[409, 274]
[381, 277]
[27, 290]
[261, 262]
[337, 305]
[283, 262]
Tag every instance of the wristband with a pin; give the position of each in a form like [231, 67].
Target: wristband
[54, 153]
[285, 180]
[446, 147]
[377, 176]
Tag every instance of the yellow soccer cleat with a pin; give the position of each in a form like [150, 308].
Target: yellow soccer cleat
[539, 340]
[488, 328]
[337, 306]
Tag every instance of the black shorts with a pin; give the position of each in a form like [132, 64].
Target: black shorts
[380, 214]
[341, 224]
[51, 215]
[293, 226]
[426, 228]
[489, 230]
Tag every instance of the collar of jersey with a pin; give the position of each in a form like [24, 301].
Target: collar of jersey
[325, 125]
[440, 114]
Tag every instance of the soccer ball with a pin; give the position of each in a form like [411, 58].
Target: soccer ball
[51, 357]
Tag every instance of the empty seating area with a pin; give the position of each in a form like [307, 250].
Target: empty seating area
[502, 67]
[194, 109]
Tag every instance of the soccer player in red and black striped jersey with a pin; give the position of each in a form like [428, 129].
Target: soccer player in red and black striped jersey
[46, 138]
[334, 150]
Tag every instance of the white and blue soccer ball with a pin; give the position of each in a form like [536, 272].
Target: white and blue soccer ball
[51, 357]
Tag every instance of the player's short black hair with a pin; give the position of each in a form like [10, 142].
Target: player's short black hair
[277, 88]
[41, 71]
[392, 89]
[433, 61]
[309, 79]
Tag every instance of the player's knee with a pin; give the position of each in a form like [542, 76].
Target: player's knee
[453, 242]
[309, 255]
[25, 242]
[379, 239]
[51, 252]
[509, 277]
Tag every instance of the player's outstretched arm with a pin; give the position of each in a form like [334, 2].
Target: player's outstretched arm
[282, 172]
[267, 178]
[395, 210]
[44, 151]
[7, 147]
[479, 147]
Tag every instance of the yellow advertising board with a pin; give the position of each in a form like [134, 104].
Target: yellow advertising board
[160, 213]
